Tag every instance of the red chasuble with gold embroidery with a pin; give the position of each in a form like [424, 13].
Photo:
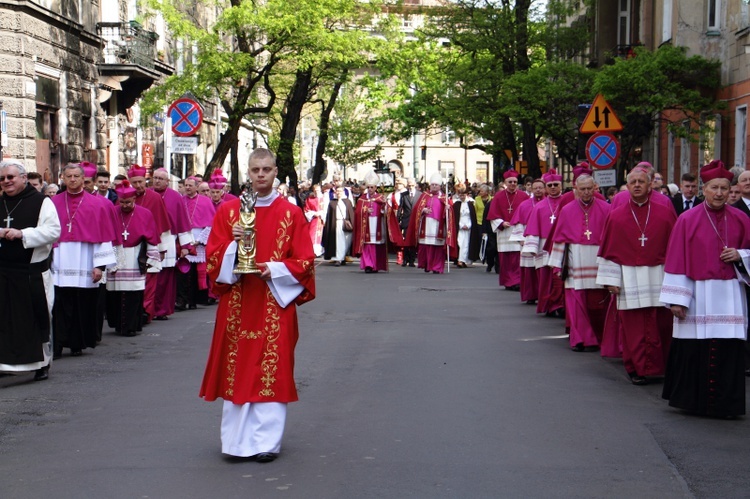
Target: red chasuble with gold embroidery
[252, 352]
[367, 207]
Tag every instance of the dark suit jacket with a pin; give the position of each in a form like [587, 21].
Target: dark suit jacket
[405, 205]
[679, 204]
[740, 205]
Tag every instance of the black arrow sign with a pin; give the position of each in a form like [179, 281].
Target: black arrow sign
[597, 121]
[606, 117]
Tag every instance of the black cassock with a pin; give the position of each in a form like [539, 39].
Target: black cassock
[23, 302]
[329, 230]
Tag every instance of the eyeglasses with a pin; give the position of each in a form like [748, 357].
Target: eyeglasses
[8, 177]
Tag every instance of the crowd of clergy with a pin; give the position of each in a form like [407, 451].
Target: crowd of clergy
[643, 275]
[95, 251]
[652, 278]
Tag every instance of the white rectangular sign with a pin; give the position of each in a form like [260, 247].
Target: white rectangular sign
[606, 178]
[4, 121]
[3, 139]
[184, 145]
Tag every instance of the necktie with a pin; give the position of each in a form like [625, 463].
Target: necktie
[687, 204]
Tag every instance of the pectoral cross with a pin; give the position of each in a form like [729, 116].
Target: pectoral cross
[125, 234]
[643, 240]
[8, 220]
[70, 226]
[552, 218]
[587, 234]
[510, 210]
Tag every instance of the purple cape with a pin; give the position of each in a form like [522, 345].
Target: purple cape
[572, 224]
[178, 217]
[522, 214]
[140, 226]
[200, 211]
[93, 218]
[539, 221]
[694, 246]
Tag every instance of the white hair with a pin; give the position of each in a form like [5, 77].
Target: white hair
[13, 162]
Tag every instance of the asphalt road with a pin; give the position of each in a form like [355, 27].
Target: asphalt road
[411, 385]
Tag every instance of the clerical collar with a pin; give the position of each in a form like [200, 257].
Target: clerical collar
[70, 193]
[639, 204]
[555, 197]
[262, 202]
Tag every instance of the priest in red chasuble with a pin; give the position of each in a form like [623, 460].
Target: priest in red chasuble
[370, 230]
[251, 361]
[632, 254]
[431, 228]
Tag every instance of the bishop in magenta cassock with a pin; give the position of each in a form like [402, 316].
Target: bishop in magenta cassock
[251, 362]
[631, 265]
[708, 249]
[574, 252]
[623, 197]
[192, 285]
[84, 251]
[370, 242]
[175, 244]
[543, 216]
[147, 198]
[126, 282]
[502, 208]
[529, 281]
[431, 228]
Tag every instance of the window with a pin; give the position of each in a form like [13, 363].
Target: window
[446, 168]
[623, 23]
[480, 174]
[670, 156]
[666, 26]
[714, 10]
[448, 136]
[710, 147]
[685, 150]
[740, 137]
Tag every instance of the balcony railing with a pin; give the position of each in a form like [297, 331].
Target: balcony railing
[128, 43]
[625, 51]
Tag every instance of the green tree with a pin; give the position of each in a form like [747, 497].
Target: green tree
[661, 87]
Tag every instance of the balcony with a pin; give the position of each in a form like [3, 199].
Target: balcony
[130, 59]
[625, 51]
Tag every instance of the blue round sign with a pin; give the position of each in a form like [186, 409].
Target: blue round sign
[187, 117]
[602, 150]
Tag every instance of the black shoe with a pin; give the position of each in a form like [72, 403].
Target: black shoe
[211, 301]
[403, 264]
[368, 270]
[337, 264]
[42, 374]
[130, 334]
[530, 302]
[578, 348]
[412, 265]
[639, 380]
[265, 457]
[489, 269]
[161, 317]
[192, 307]
[180, 308]
[434, 272]
[76, 353]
